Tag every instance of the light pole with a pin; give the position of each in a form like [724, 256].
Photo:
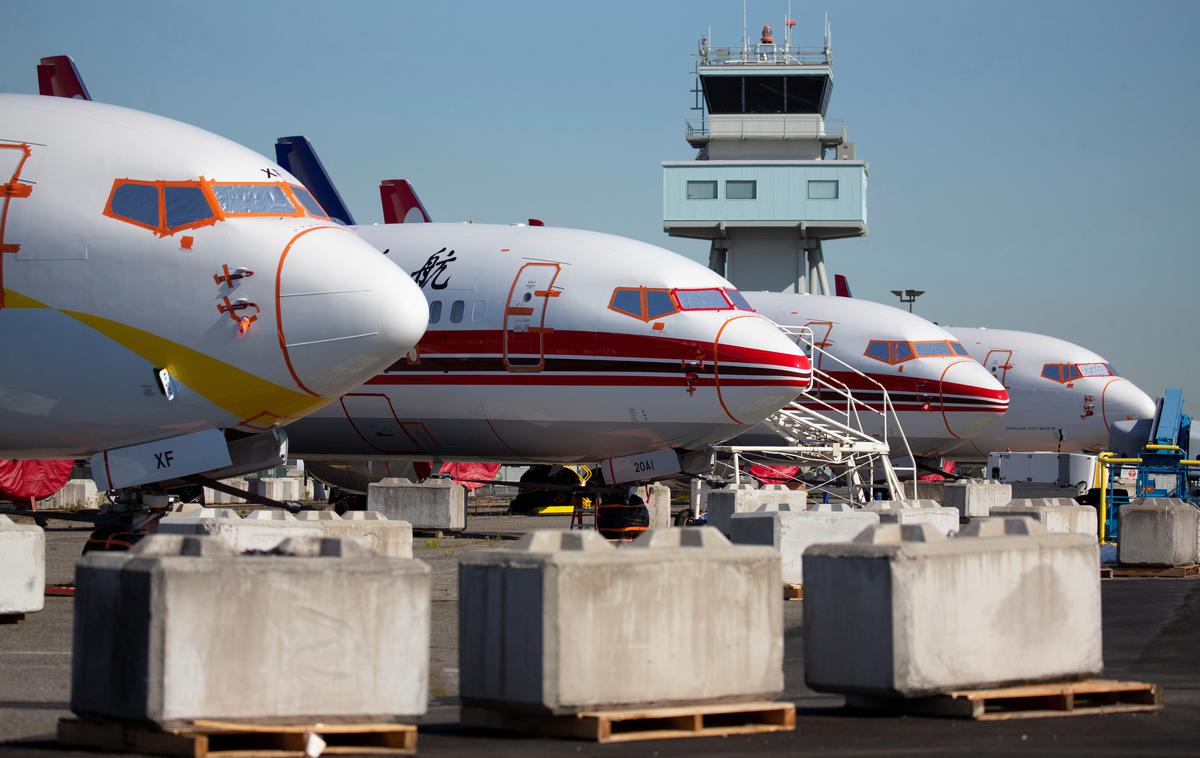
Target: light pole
[908, 296]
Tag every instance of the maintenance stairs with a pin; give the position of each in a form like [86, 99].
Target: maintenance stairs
[828, 428]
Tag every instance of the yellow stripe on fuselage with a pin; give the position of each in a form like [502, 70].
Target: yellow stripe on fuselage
[234, 390]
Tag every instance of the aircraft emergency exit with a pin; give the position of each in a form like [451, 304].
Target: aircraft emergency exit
[160, 284]
[1064, 397]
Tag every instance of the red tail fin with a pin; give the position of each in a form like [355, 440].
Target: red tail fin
[399, 200]
[841, 287]
[58, 77]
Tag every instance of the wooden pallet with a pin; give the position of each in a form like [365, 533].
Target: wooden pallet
[716, 720]
[12, 618]
[218, 739]
[793, 592]
[1087, 698]
[1172, 572]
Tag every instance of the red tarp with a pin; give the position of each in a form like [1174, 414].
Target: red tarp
[775, 474]
[22, 480]
[479, 472]
[948, 467]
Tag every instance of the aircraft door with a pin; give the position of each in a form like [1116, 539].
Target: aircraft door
[525, 316]
[821, 331]
[998, 362]
[13, 156]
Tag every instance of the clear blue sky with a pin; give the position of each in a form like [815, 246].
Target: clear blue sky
[1034, 165]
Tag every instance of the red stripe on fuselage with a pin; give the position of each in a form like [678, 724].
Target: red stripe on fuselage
[604, 344]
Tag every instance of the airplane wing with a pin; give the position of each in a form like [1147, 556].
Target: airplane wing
[399, 199]
[58, 77]
[296, 155]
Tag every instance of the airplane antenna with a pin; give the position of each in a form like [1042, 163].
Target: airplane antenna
[787, 30]
[828, 50]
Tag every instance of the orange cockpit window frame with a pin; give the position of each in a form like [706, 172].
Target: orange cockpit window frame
[644, 314]
[297, 206]
[161, 229]
[291, 188]
[216, 213]
[893, 346]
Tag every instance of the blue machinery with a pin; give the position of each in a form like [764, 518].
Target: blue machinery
[1162, 470]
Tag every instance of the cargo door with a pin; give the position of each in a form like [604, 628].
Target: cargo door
[998, 362]
[525, 316]
[375, 421]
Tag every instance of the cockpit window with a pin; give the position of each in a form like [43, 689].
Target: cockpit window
[308, 201]
[702, 300]
[901, 352]
[659, 304]
[254, 199]
[643, 303]
[958, 348]
[931, 349]
[136, 202]
[879, 350]
[185, 205]
[1069, 372]
[739, 301]
[627, 300]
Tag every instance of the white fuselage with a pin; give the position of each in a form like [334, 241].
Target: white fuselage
[1063, 397]
[542, 347]
[941, 396]
[118, 229]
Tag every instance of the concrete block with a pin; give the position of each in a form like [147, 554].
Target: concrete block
[903, 611]
[433, 504]
[392, 539]
[283, 489]
[1158, 532]
[916, 512]
[973, 498]
[565, 622]
[791, 531]
[22, 567]
[181, 628]
[1060, 515]
[745, 498]
[76, 493]
[215, 497]
[260, 531]
[658, 503]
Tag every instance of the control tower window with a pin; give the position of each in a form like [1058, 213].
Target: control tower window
[701, 190]
[821, 189]
[741, 190]
[765, 94]
[136, 202]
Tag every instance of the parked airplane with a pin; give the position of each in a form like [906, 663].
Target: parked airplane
[941, 395]
[163, 290]
[1064, 397]
[560, 345]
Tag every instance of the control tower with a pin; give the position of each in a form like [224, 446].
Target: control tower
[773, 178]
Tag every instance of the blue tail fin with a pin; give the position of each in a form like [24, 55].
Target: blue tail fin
[297, 156]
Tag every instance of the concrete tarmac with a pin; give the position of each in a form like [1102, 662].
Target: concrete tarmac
[1151, 633]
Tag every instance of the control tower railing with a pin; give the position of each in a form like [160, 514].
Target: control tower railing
[831, 129]
[760, 52]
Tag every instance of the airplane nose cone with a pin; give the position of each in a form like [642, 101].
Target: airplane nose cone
[1122, 400]
[758, 368]
[971, 398]
[344, 311]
